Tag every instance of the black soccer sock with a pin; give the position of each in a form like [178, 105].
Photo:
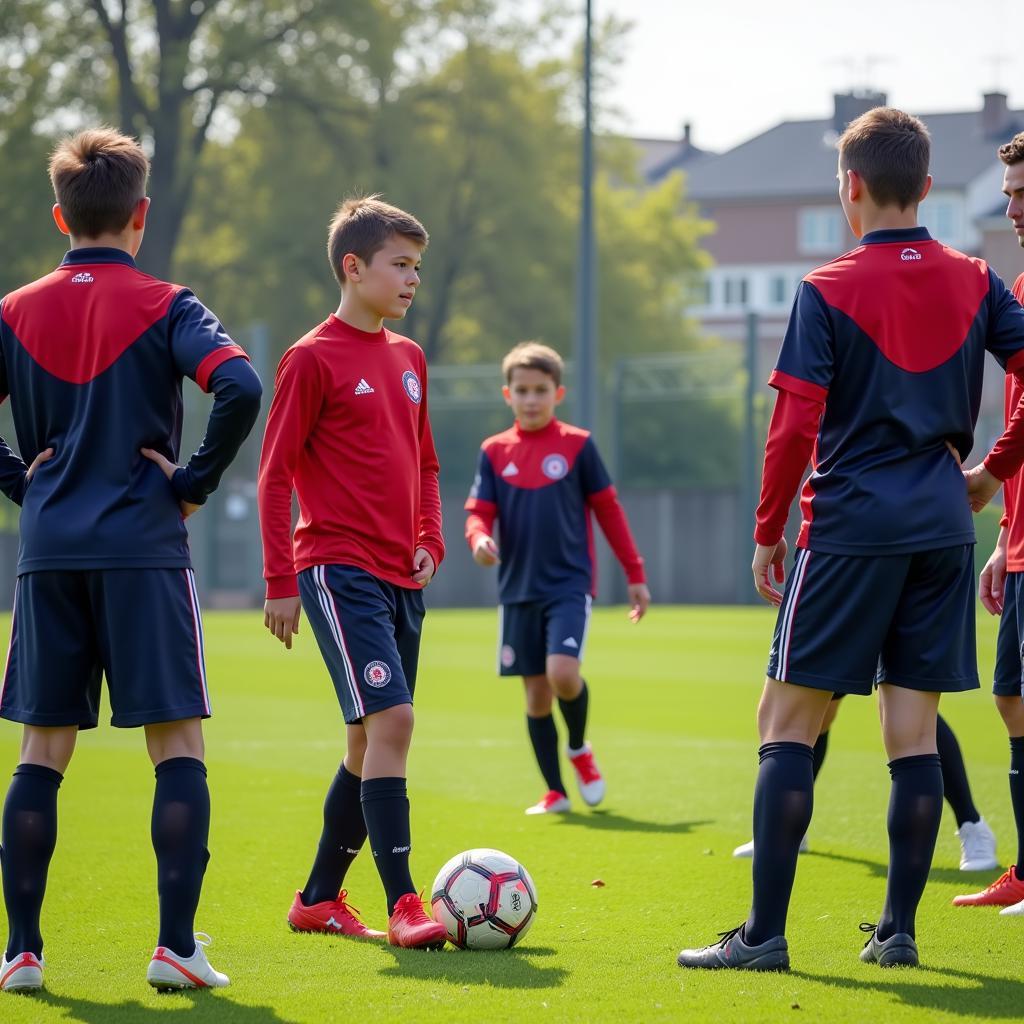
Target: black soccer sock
[342, 838]
[1017, 794]
[575, 714]
[819, 752]
[783, 800]
[386, 811]
[29, 839]
[915, 809]
[180, 830]
[954, 774]
[544, 737]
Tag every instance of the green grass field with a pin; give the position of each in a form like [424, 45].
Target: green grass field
[673, 724]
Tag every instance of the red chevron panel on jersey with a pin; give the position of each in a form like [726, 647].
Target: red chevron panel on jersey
[889, 291]
[86, 301]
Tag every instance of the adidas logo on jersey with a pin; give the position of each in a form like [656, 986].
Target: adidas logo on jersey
[83, 278]
[909, 255]
[362, 388]
[570, 641]
[510, 470]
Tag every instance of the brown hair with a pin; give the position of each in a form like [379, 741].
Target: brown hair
[890, 151]
[98, 177]
[532, 355]
[362, 225]
[1013, 152]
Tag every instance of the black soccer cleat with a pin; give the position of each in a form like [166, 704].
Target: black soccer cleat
[732, 952]
[899, 950]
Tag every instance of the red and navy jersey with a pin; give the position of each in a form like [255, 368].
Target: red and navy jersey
[1013, 489]
[541, 485]
[891, 339]
[92, 357]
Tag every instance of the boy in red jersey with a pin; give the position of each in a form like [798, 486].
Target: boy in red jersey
[92, 356]
[1002, 592]
[348, 432]
[541, 479]
[879, 380]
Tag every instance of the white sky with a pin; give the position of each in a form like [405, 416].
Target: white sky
[736, 67]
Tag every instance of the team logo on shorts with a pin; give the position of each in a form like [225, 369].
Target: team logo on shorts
[554, 467]
[411, 383]
[377, 674]
[508, 656]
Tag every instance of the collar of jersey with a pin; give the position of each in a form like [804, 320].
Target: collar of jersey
[898, 235]
[370, 337]
[97, 254]
[545, 431]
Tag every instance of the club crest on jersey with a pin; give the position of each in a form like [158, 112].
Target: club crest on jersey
[411, 383]
[508, 656]
[554, 467]
[377, 674]
[910, 255]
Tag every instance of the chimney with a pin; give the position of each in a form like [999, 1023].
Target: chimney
[850, 105]
[995, 114]
[686, 135]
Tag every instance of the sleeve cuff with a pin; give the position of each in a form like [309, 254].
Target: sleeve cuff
[797, 386]
[766, 537]
[213, 359]
[282, 586]
[636, 574]
[180, 486]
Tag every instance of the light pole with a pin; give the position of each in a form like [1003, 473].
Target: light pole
[585, 347]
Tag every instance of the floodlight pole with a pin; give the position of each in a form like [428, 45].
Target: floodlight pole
[585, 348]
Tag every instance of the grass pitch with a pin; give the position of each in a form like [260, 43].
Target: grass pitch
[672, 721]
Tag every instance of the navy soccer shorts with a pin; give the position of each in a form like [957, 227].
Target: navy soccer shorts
[1008, 674]
[141, 628]
[531, 630]
[368, 632]
[848, 621]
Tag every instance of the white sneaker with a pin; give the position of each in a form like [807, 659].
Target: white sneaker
[22, 974]
[168, 971]
[977, 846]
[552, 802]
[1017, 910]
[747, 849]
[588, 775]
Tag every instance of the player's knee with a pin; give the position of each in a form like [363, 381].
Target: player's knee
[1012, 711]
[539, 697]
[165, 740]
[564, 676]
[51, 748]
[391, 727]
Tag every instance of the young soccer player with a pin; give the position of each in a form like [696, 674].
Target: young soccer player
[879, 379]
[977, 841]
[92, 357]
[348, 431]
[540, 480]
[1002, 593]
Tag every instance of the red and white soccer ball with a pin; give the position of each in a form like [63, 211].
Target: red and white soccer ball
[485, 899]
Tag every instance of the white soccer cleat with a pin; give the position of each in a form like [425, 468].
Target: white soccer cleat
[747, 849]
[552, 802]
[22, 974]
[169, 971]
[1016, 910]
[588, 775]
[977, 846]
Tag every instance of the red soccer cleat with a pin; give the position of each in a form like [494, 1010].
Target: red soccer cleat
[552, 802]
[1006, 890]
[588, 775]
[411, 928]
[331, 917]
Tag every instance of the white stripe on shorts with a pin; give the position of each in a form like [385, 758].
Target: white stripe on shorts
[197, 626]
[792, 597]
[330, 610]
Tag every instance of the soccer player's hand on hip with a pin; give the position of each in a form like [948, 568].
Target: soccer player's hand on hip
[485, 551]
[423, 567]
[993, 577]
[768, 566]
[639, 599]
[169, 469]
[281, 617]
[44, 456]
[982, 487]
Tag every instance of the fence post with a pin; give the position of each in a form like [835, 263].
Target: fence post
[748, 467]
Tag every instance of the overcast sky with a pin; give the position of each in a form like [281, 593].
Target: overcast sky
[736, 67]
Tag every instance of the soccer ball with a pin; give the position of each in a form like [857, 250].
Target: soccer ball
[485, 899]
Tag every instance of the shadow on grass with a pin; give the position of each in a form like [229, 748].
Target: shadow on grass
[971, 882]
[504, 968]
[200, 1006]
[621, 823]
[922, 988]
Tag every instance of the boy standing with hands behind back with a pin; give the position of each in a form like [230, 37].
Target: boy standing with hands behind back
[348, 431]
[540, 479]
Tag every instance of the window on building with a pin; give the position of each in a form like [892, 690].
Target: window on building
[820, 230]
[778, 290]
[736, 291]
[940, 216]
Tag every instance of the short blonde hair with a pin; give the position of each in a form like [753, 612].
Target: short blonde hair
[363, 225]
[532, 355]
[98, 177]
